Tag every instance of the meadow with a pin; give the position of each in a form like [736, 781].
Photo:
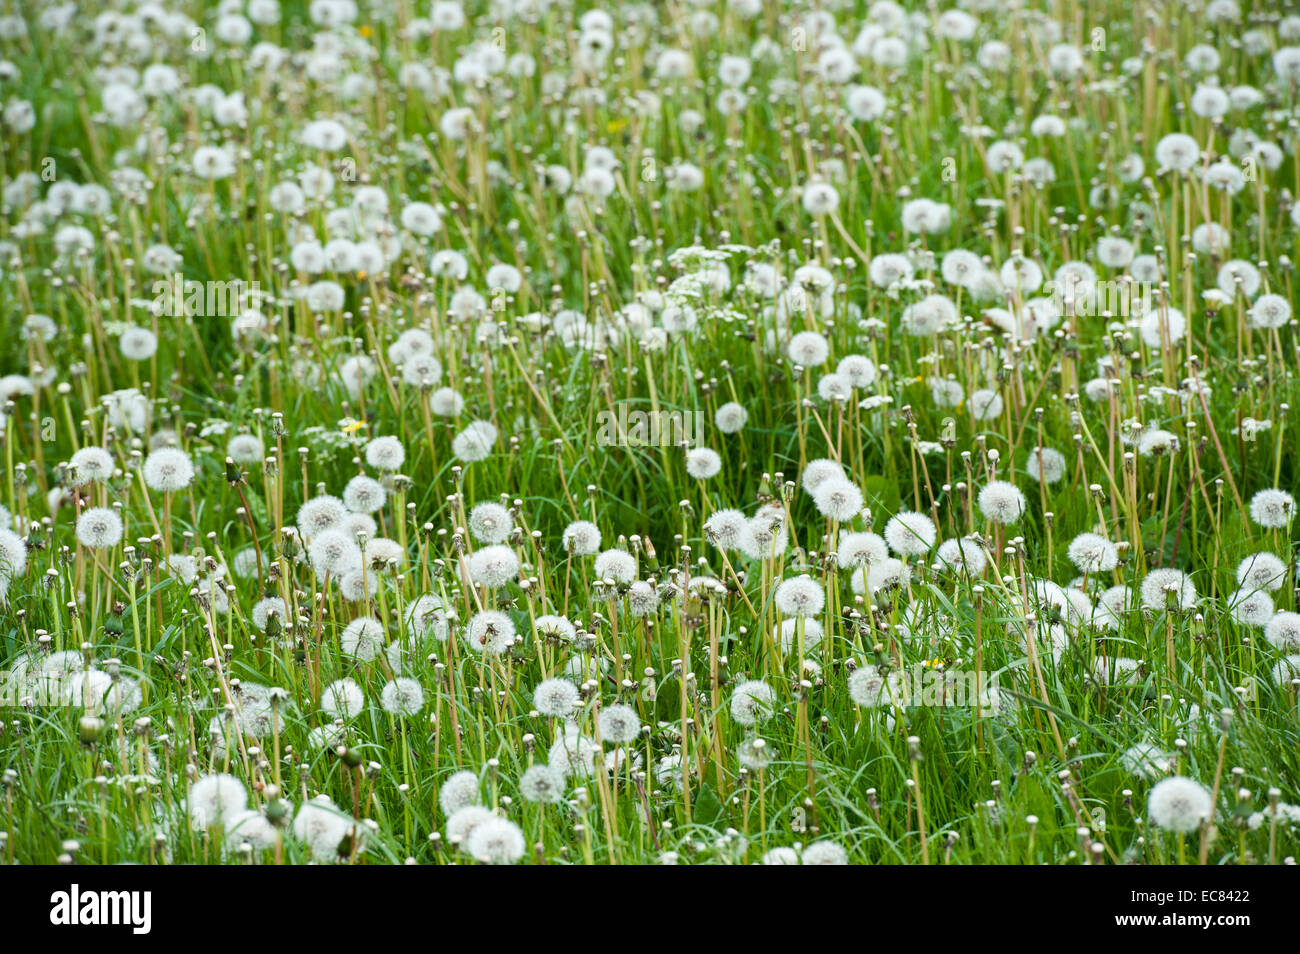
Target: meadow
[713, 432]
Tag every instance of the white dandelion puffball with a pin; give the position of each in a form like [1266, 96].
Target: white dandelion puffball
[985, 405]
[869, 687]
[731, 418]
[1001, 502]
[1045, 465]
[475, 442]
[216, 799]
[494, 566]
[910, 533]
[1272, 509]
[1261, 571]
[820, 198]
[838, 499]
[490, 523]
[724, 528]
[495, 841]
[402, 697]
[320, 514]
[800, 596]
[168, 469]
[1283, 631]
[246, 449]
[819, 471]
[808, 349]
[13, 555]
[616, 565]
[490, 632]
[752, 702]
[90, 464]
[99, 528]
[1287, 670]
[963, 554]
[556, 697]
[1179, 804]
[362, 639]
[364, 495]
[322, 826]
[1166, 586]
[581, 538]
[1251, 607]
[542, 783]
[460, 790]
[386, 454]
[426, 617]
[342, 699]
[703, 463]
[860, 550]
[138, 344]
[1163, 327]
[825, 852]
[618, 724]
[334, 552]
[787, 632]
[1093, 553]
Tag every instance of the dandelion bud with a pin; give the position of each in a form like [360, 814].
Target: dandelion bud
[89, 729]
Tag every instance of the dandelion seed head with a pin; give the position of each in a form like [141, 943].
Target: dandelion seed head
[808, 349]
[1002, 502]
[616, 565]
[752, 701]
[909, 533]
[858, 549]
[168, 469]
[963, 554]
[1261, 571]
[1179, 804]
[703, 463]
[90, 464]
[216, 799]
[99, 528]
[386, 454]
[362, 639]
[490, 632]
[1045, 465]
[1272, 508]
[1251, 607]
[581, 538]
[1092, 553]
[838, 499]
[800, 596]
[1283, 631]
[824, 852]
[619, 723]
[334, 552]
[490, 523]
[542, 784]
[320, 514]
[556, 698]
[342, 699]
[1163, 583]
[321, 826]
[402, 697]
[494, 566]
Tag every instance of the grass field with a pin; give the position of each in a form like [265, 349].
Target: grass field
[711, 432]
